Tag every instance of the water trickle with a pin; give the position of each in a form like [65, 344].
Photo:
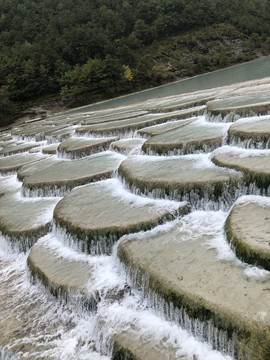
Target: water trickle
[46, 191]
[102, 245]
[201, 199]
[218, 118]
[249, 143]
[46, 314]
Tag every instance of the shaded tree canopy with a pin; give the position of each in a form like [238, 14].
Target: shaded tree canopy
[107, 46]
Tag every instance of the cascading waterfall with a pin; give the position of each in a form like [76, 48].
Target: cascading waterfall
[66, 328]
[186, 151]
[202, 330]
[46, 191]
[202, 199]
[231, 117]
[40, 320]
[102, 245]
[249, 143]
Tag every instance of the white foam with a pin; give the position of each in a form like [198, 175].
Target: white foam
[202, 121]
[208, 225]
[253, 272]
[10, 182]
[160, 229]
[113, 154]
[118, 190]
[6, 248]
[252, 119]
[132, 314]
[17, 196]
[241, 152]
[104, 274]
[47, 215]
[51, 242]
[79, 137]
[263, 201]
[57, 330]
[49, 145]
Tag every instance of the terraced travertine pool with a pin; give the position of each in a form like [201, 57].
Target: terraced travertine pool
[140, 231]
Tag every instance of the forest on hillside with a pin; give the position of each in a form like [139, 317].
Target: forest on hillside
[92, 49]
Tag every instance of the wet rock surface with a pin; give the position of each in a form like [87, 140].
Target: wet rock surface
[184, 270]
[136, 272]
[61, 274]
[33, 167]
[248, 230]
[16, 148]
[128, 146]
[198, 136]
[256, 103]
[9, 184]
[111, 115]
[37, 131]
[50, 149]
[12, 163]
[251, 132]
[161, 128]
[193, 179]
[82, 147]
[61, 135]
[24, 220]
[62, 176]
[105, 211]
[254, 164]
[120, 127]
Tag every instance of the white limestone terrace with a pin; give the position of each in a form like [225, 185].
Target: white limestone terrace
[193, 178]
[24, 220]
[241, 105]
[171, 103]
[142, 251]
[35, 132]
[52, 264]
[128, 146]
[60, 177]
[129, 126]
[15, 148]
[251, 132]
[10, 164]
[248, 229]
[68, 331]
[5, 143]
[255, 165]
[149, 131]
[191, 266]
[5, 137]
[79, 147]
[190, 137]
[50, 149]
[105, 211]
[102, 116]
[60, 135]
[31, 168]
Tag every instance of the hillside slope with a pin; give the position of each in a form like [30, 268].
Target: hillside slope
[86, 51]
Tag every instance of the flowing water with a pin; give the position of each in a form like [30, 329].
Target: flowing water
[34, 324]
[257, 69]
